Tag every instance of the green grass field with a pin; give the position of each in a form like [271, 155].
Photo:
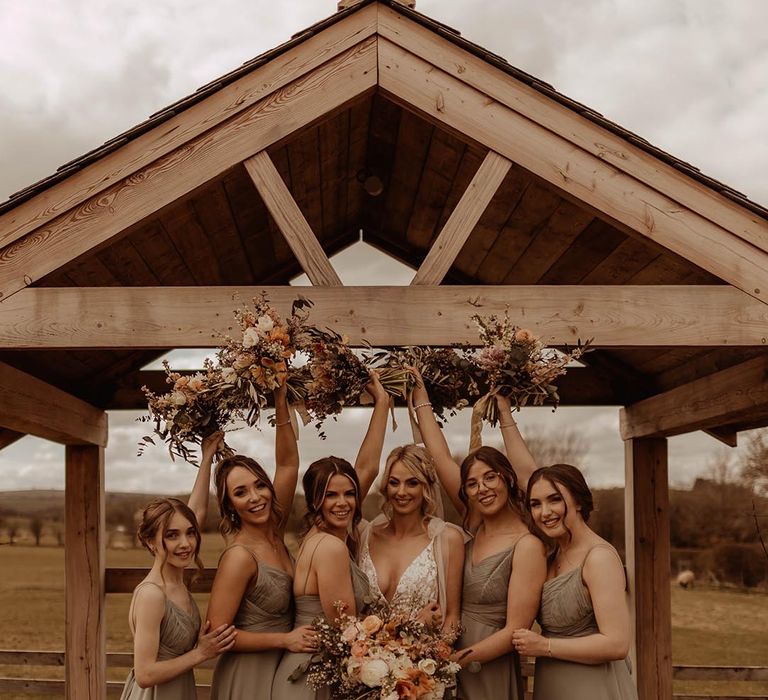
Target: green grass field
[708, 626]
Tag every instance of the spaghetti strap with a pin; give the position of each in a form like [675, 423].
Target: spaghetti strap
[602, 545]
[131, 611]
[239, 544]
[312, 557]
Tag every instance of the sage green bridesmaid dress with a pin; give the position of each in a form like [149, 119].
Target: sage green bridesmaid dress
[266, 607]
[566, 611]
[179, 631]
[308, 608]
[484, 612]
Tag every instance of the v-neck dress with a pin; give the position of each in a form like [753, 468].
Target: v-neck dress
[266, 607]
[179, 631]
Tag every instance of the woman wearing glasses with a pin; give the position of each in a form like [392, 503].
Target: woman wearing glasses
[505, 565]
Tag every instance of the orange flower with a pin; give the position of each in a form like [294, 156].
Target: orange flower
[406, 690]
[422, 683]
[359, 649]
[279, 335]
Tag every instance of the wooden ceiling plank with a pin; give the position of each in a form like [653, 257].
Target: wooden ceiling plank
[708, 402]
[194, 121]
[184, 229]
[304, 163]
[552, 240]
[125, 262]
[359, 124]
[30, 405]
[159, 252]
[91, 272]
[624, 200]
[291, 222]
[615, 316]
[727, 436]
[462, 222]
[706, 361]
[672, 269]
[610, 148]
[333, 137]
[179, 172]
[8, 437]
[628, 258]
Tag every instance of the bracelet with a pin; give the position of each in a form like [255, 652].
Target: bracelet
[421, 405]
[512, 422]
[286, 422]
[549, 647]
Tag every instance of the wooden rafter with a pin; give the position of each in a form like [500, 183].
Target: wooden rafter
[628, 203]
[8, 437]
[732, 395]
[615, 316]
[291, 222]
[124, 203]
[463, 219]
[30, 405]
[565, 122]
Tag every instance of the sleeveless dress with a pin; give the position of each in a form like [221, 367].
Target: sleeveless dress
[566, 611]
[266, 607]
[308, 608]
[178, 635]
[484, 612]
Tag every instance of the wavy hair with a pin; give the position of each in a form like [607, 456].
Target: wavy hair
[419, 462]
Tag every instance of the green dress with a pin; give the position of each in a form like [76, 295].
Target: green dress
[266, 607]
[178, 635]
[566, 611]
[484, 612]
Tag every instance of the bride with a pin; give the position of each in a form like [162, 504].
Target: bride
[412, 558]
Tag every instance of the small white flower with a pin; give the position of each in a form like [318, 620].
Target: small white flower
[429, 666]
[250, 337]
[229, 375]
[265, 323]
[178, 398]
[373, 672]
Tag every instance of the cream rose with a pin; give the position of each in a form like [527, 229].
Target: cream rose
[229, 375]
[428, 666]
[350, 632]
[243, 360]
[373, 672]
[265, 324]
[250, 337]
[371, 624]
[178, 398]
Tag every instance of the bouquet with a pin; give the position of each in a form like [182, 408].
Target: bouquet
[387, 656]
[515, 362]
[196, 406]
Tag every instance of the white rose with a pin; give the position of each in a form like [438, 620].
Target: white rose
[350, 632]
[178, 398]
[250, 337]
[428, 666]
[373, 672]
[229, 375]
[265, 324]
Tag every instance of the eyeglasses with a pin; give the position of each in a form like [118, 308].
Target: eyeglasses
[490, 480]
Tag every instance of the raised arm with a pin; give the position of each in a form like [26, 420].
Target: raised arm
[236, 570]
[198, 499]
[514, 445]
[368, 458]
[334, 577]
[529, 570]
[286, 454]
[148, 612]
[436, 444]
[454, 572]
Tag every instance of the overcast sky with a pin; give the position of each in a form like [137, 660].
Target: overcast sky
[691, 76]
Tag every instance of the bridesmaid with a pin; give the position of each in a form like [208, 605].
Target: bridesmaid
[163, 616]
[254, 580]
[505, 565]
[584, 615]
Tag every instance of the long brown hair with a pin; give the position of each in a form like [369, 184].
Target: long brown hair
[155, 517]
[315, 482]
[230, 521]
[499, 463]
[419, 462]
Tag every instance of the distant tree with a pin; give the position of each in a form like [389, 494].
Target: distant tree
[13, 531]
[754, 463]
[563, 447]
[36, 528]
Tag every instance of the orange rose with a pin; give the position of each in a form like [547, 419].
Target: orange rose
[406, 690]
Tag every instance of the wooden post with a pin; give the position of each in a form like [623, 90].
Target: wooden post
[648, 565]
[85, 638]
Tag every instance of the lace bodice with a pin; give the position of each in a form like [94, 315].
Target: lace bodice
[417, 586]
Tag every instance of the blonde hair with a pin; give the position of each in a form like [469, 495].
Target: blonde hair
[419, 462]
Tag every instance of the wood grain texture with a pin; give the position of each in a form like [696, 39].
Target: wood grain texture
[8, 437]
[30, 405]
[615, 316]
[646, 507]
[294, 227]
[579, 131]
[462, 221]
[724, 397]
[84, 560]
[225, 103]
[627, 202]
[179, 172]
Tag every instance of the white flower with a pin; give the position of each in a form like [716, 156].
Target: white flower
[197, 382]
[265, 323]
[373, 672]
[391, 696]
[178, 398]
[229, 375]
[429, 666]
[350, 632]
[250, 337]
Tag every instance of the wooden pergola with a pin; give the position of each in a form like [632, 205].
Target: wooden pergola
[382, 124]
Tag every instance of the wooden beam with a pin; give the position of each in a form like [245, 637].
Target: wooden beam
[646, 496]
[168, 317]
[291, 222]
[268, 75]
[132, 199]
[629, 204]
[30, 405]
[567, 123]
[581, 386]
[729, 396]
[463, 220]
[727, 436]
[85, 638]
[8, 437]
